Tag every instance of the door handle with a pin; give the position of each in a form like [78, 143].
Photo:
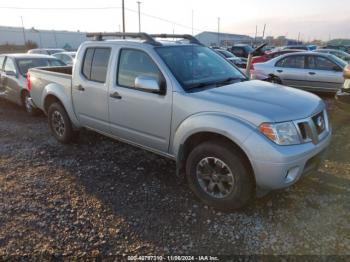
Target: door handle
[312, 73]
[80, 88]
[279, 71]
[115, 95]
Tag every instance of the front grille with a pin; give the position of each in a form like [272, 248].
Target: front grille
[313, 129]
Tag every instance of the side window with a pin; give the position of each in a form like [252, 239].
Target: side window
[134, 63]
[95, 64]
[320, 63]
[99, 64]
[10, 65]
[86, 70]
[2, 58]
[292, 62]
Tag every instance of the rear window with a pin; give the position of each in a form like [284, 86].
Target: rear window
[95, 64]
[24, 64]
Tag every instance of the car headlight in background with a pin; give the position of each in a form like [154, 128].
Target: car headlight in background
[281, 133]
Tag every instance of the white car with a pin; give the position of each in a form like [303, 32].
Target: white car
[66, 57]
[45, 51]
[305, 70]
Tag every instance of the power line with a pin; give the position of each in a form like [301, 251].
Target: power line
[173, 23]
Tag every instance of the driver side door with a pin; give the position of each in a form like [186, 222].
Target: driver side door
[136, 115]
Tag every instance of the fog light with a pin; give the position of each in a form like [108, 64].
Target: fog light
[292, 174]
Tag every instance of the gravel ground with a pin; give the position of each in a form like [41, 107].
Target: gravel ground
[101, 197]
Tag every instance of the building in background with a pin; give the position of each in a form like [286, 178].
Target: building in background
[223, 39]
[43, 38]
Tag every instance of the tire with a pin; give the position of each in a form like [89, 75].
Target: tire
[239, 185]
[275, 80]
[27, 105]
[60, 124]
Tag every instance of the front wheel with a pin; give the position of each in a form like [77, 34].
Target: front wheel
[275, 80]
[60, 124]
[219, 176]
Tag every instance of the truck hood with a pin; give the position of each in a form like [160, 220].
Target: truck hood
[257, 101]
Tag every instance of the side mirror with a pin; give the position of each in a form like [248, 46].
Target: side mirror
[11, 73]
[337, 69]
[149, 84]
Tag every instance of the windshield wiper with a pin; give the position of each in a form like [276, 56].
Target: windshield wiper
[200, 85]
[228, 81]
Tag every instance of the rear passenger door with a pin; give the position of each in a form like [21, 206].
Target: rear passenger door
[89, 89]
[291, 70]
[136, 115]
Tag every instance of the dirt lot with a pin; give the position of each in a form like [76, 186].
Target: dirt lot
[100, 197]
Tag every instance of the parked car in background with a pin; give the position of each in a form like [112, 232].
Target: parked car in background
[13, 70]
[342, 97]
[231, 58]
[268, 56]
[306, 70]
[45, 51]
[66, 57]
[338, 53]
[228, 136]
[241, 50]
[297, 47]
[344, 48]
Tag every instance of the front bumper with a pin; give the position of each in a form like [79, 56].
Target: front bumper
[277, 167]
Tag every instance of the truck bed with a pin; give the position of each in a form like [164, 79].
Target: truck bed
[45, 79]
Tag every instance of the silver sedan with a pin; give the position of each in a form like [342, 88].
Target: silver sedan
[305, 70]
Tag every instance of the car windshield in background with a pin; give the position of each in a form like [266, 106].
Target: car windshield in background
[339, 61]
[54, 51]
[227, 54]
[24, 64]
[249, 49]
[198, 66]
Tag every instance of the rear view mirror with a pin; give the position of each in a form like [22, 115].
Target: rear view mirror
[148, 84]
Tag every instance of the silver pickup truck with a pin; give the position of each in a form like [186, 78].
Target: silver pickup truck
[230, 137]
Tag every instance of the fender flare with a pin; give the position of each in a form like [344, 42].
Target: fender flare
[230, 127]
[64, 98]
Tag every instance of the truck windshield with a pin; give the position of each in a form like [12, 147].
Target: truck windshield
[24, 64]
[198, 66]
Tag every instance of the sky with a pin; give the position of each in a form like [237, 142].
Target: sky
[313, 19]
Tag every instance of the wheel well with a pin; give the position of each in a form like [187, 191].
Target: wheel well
[49, 100]
[199, 138]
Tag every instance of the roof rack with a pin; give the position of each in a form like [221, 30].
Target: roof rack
[98, 36]
[190, 38]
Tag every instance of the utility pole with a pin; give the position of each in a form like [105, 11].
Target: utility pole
[138, 4]
[192, 21]
[218, 31]
[263, 35]
[123, 15]
[256, 34]
[54, 34]
[298, 37]
[24, 33]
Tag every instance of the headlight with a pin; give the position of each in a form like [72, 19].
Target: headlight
[281, 133]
